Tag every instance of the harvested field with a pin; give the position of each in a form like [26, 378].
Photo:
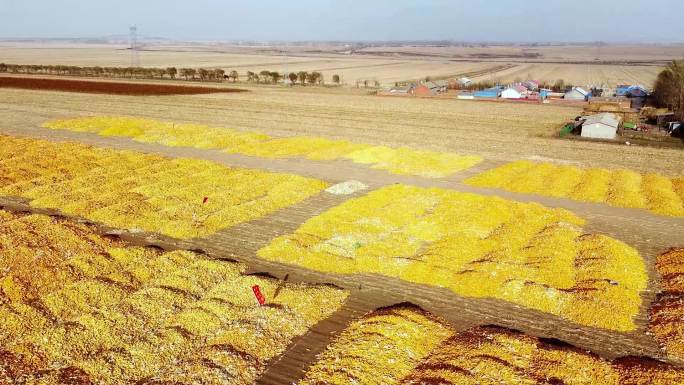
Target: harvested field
[94, 310]
[106, 87]
[476, 246]
[395, 160]
[404, 345]
[496, 131]
[183, 198]
[667, 312]
[577, 64]
[621, 188]
[578, 74]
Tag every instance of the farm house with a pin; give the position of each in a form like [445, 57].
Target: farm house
[408, 89]
[577, 93]
[601, 126]
[511, 93]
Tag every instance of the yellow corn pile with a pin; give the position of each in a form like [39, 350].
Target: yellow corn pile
[403, 160]
[621, 188]
[667, 312]
[494, 356]
[70, 300]
[477, 246]
[404, 345]
[131, 190]
[379, 349]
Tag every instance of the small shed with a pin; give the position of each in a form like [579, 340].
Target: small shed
[601, 126]
[577, 93]
[511, 93]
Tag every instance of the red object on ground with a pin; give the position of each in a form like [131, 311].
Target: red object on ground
[205, 200]
[257, 293]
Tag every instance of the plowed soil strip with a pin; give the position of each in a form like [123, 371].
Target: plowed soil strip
[106, 87]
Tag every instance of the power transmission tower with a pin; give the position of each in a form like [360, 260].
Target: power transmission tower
[133, 38]
[286, 74]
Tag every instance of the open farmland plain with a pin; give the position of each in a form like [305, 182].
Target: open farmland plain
[161, 213]
[575, 64]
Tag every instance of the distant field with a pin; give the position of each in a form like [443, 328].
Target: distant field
[387, 65]
[578, 74]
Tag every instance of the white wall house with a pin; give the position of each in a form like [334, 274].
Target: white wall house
[511, 93]
[601, 126]
[577, 93]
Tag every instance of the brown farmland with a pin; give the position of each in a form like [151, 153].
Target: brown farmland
[101, 87]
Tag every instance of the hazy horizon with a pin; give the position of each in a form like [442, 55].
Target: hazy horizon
[506, 21]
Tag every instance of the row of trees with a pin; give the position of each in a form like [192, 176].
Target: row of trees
[668, 90]
[202, 74]
[301, 77]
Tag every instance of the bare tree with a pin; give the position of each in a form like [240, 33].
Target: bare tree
[234, 75]
[265, 75]
[668, 90]
[302, 76]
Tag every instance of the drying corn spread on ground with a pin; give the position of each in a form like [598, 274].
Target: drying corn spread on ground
[126, 189]
[379, 349]
[75, 308]
[407, 346]
[621, 188]
[395, 160]
[667, 312]
[495, 356]
[477, 246]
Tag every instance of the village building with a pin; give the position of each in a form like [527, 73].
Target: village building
[577, 93]
[601, 126]
[464, 82]
[489, 93]
[403, 90]
[531, 85]
[511, 93]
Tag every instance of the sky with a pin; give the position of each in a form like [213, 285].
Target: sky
[347, 20]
